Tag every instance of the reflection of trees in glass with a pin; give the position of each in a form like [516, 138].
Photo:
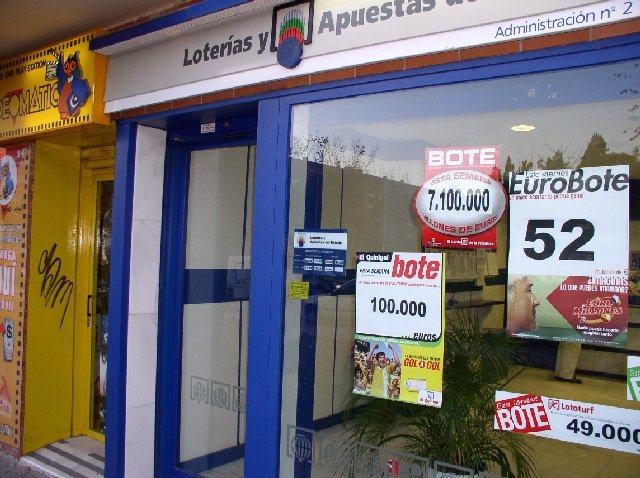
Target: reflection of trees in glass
[596, 153]
[333, 151]
[556, 161]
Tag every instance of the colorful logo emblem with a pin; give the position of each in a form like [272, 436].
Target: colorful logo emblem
[291, 29]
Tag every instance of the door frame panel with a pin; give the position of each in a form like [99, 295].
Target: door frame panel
[172, 266]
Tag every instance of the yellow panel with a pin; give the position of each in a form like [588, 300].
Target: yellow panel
[57, 87]
[51, 295]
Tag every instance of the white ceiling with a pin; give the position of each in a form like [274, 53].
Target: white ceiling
[33, 24]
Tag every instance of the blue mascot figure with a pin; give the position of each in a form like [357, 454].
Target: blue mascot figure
[73, 90]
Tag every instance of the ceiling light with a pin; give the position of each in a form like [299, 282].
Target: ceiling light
[522, 128]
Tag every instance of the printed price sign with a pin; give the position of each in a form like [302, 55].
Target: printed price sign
[568, 420]
[568, 256]
[399, 342]
[399, 294]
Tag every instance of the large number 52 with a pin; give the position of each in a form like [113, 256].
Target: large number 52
[570, 253]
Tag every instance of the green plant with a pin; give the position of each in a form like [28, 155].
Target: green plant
[476, 364]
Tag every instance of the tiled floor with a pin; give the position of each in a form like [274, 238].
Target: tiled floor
[77, 457]
[82, 457]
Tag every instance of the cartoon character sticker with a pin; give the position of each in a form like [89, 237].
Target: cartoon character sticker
[8, 178]
[73, 90]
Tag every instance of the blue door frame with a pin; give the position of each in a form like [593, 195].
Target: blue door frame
[270, 217]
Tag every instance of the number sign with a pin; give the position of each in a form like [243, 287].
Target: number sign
[568, 254]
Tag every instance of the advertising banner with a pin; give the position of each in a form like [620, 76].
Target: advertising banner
[568, 255]
[399, 341]
[461, 200]
[15, 164]
[596, 425]
[320, 252]
[57, 87]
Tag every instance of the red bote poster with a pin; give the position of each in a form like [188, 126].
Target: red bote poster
[14, 208]
[461, 200]
[569, 255]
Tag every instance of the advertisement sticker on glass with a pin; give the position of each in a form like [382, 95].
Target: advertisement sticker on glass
[633, 378]
[320, 252]
[569, 255]
[571, 421]
[461, 200]
[399, 341]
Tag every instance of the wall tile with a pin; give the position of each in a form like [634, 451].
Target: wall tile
[145, 258]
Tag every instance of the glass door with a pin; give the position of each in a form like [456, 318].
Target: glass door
[100, 302]
[215, 312]
[92, 314]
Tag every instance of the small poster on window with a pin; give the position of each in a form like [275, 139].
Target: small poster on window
[399, 341]
[633, 378]
[569, 255]
[320, 252]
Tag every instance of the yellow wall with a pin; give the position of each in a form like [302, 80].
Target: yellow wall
[49, 339]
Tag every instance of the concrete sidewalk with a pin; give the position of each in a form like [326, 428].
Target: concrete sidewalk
[10, 467]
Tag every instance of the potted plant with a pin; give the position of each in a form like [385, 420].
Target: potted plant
[461, 433]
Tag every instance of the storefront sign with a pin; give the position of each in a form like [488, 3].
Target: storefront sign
[320, 252]
[568, 420]
[633, 378]
[15, 170]
[568, 255]
[461, 201]
[340, 34]
[400, 326]
[57, 87]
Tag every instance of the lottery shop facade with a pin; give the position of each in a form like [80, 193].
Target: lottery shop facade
[230, 138]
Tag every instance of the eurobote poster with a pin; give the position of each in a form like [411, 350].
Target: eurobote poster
[569, 255]
[399, 340]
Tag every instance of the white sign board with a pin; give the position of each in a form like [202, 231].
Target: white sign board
[568, 420]
[400, 295]
[238, 52]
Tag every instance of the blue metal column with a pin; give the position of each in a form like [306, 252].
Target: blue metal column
[119, 300]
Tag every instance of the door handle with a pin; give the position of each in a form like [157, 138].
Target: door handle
[89, 310]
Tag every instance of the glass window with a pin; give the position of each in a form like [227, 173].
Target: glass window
[356, 165]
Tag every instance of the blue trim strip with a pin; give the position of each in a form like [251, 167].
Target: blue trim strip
[119, 300]
[266, 332]
[213, 460]
[192, 12]
[170, 309]
[309, 316]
